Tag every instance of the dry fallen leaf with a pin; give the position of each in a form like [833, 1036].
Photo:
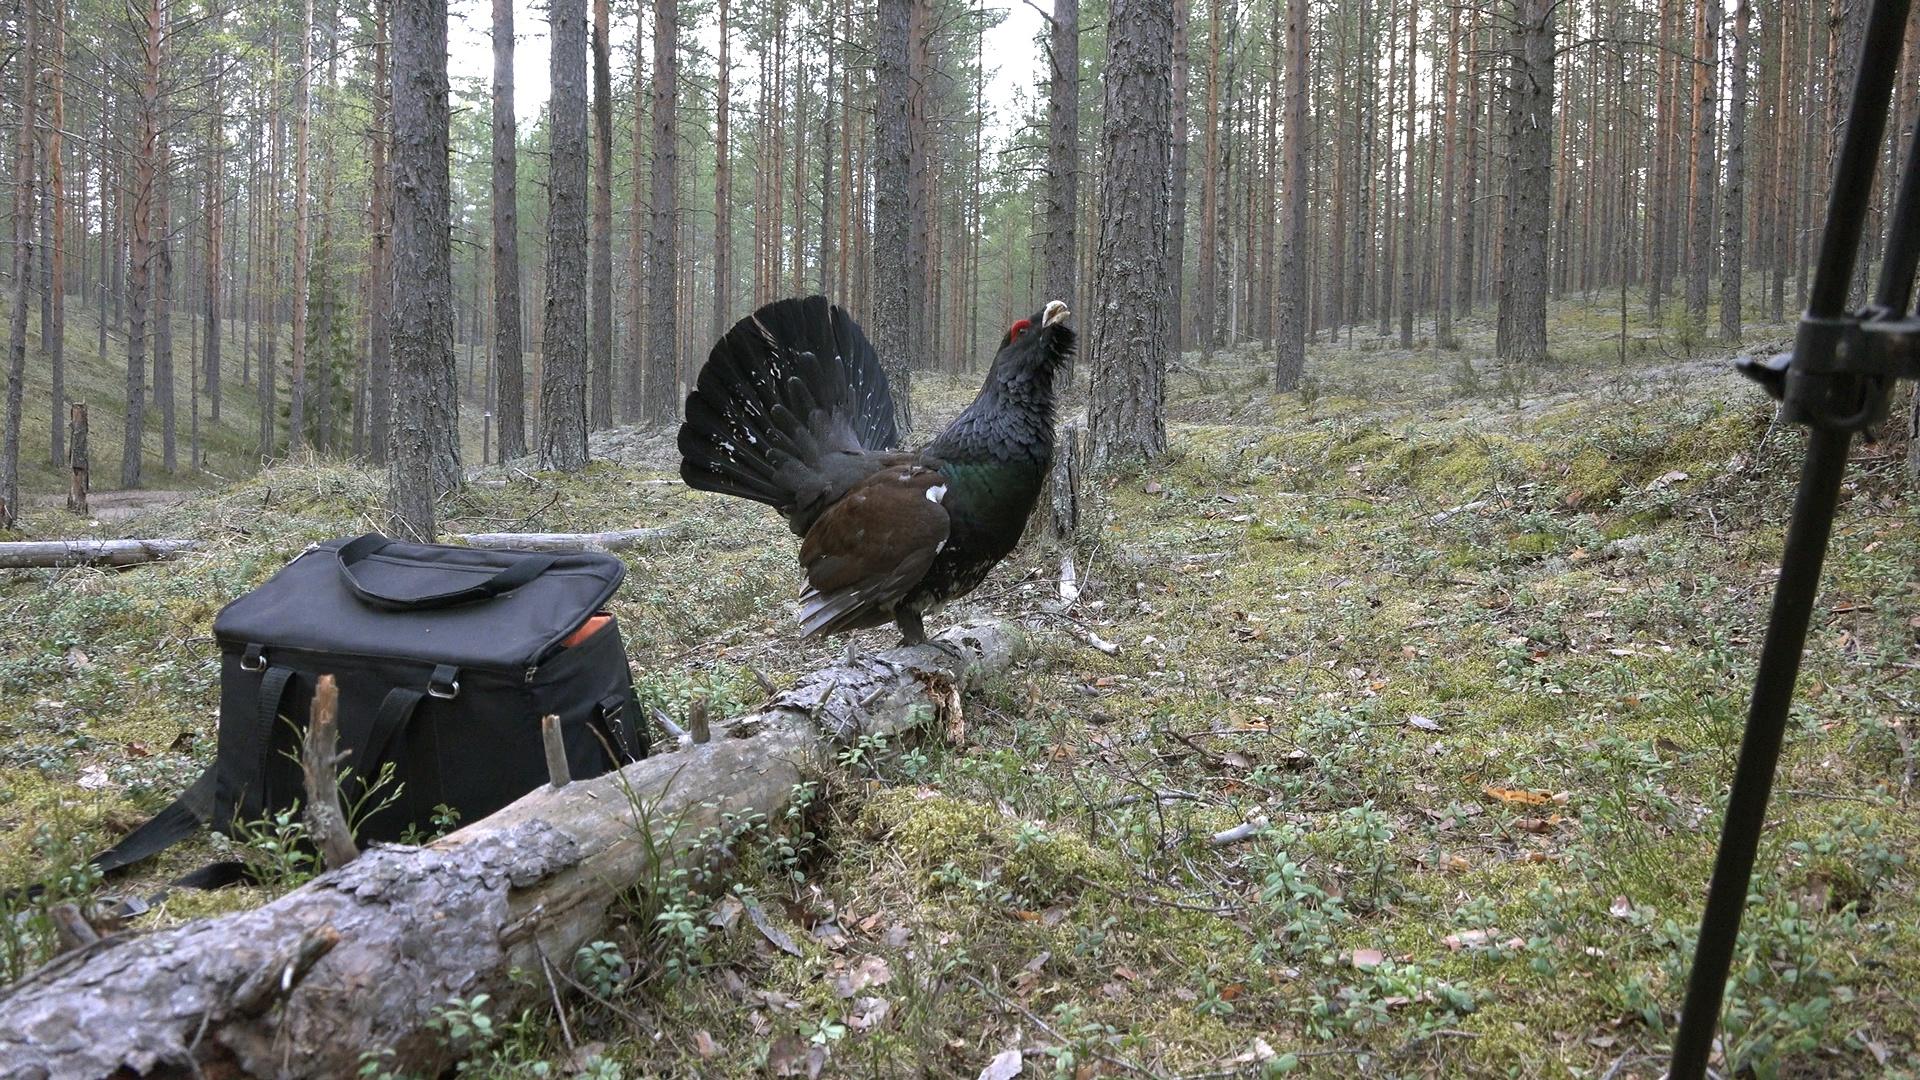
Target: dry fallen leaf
[1368, 958]
[869, 1013]
[1004, 1066]
[1621, 908]
[704, 1045]
[1518, 797]
[1424, 723]
[775, 936]
[862, 973]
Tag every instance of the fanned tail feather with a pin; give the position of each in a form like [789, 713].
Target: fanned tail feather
[783, 393]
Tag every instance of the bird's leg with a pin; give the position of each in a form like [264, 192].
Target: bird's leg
[912, 631]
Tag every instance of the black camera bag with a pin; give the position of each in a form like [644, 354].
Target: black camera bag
[446, 658]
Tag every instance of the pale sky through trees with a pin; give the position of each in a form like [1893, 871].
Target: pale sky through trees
[1017, 60]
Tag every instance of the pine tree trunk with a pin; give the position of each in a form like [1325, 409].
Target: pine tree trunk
[1407, 203]
[425, 449]
[53, 337]
[722, 188]
[663, 249]
[162, 285]
[563, 330]
[510, 393]
[1704, 176]
[380, 252]
[633, 372]
[602, 344]
[1530, 180]
[29, 65]
[1734, 211]
[1127, 395]
[139, 253]
[1290, 335]
[1182, 139]
[297, 433]
[1063, 151]
[893, 285]
[1443, 294]
[215, 226]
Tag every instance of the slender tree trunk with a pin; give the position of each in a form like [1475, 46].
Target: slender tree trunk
[602, 344]
[1734, 212]
[425, 448]
[139, 248]
[1407, 203]
[723, 188]
[53, 335]
[161, 282]
[28, 64]
[1177, 230]
[1127, 397]
[297, 433]
[632, 379]
[663, 330]
[1443, 294]
[894, 286]
[1704, 177]
[920, 258]
[1063, 151]
[1470, 184]
[1290, 336]
[509, 374]
[380, 252]
[215, 226]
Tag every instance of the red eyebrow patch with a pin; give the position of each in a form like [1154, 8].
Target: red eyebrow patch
[1020, 327]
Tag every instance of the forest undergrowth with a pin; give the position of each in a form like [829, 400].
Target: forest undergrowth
[1466, 654]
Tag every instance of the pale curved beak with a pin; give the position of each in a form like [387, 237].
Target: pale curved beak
[1056, 311]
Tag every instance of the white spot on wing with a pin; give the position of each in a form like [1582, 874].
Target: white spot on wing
[936, 493]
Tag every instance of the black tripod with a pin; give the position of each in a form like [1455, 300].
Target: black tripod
[1836, 382]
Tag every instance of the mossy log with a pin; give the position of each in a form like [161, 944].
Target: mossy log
[356, 960]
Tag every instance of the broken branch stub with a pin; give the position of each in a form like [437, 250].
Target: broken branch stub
[357, 960]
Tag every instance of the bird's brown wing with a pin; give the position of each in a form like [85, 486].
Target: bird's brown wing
[869, 549]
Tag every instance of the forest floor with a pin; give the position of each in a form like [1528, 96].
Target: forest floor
[1472, 652]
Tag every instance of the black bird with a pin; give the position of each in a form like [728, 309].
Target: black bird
[792, 409]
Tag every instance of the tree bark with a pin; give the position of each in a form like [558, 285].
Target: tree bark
[1704, 176]
[22, 269]
[1530, 180]
[214, 226]
[380, 251]
[1734, 210]
[563, 332]
[1063, 151]
[510, 393]
[601, 347]
[139, 247]
[358, 959]
[297, 433]
[1290, 336]
[722, 188]
[1177, 216]
[1443, 293]
[893, 278]
[1127, 395]
[53, 336]
[425, 449]
[663, 331]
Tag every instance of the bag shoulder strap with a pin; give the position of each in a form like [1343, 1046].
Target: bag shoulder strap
[507, 579]
[181, 819]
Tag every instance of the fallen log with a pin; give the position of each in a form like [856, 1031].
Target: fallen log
[36, 554]
[357, 960]
[613, 540]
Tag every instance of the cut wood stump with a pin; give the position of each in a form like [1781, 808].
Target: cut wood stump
[31, 554]
[357, 960]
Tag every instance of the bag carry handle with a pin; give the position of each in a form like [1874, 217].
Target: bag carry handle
[523, 570]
